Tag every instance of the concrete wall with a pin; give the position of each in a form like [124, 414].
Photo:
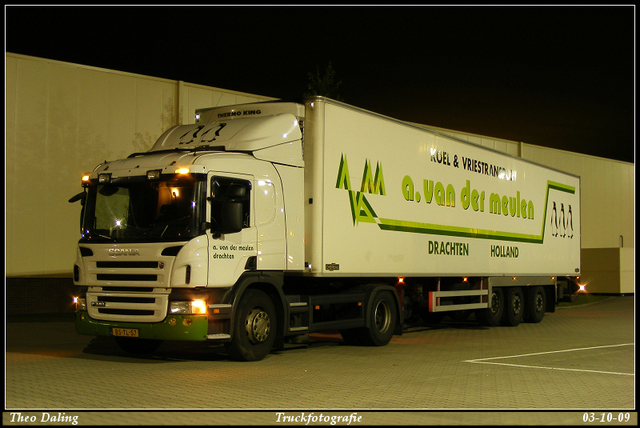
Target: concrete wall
[607, 199]
[608, 270]
[62, 120]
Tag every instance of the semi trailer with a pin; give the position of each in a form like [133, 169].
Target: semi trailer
[267, 221]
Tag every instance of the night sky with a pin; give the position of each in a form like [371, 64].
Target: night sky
[561, 77]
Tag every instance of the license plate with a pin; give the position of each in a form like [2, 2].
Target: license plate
[125, 332]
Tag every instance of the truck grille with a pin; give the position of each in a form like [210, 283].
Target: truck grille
[134, 312]
[126, 273]
[129, 291]
[127, 265]
[127, 306]
[128, 288]
[125, 277]
[126, 299]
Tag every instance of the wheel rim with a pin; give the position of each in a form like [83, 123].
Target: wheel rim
[383, 316]
[257, 325]
[539, 303]
[517, 304]
[495, 303]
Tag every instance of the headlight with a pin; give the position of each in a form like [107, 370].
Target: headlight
[193, 307]
[81, 303]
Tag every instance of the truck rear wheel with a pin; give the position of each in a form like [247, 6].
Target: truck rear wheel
[536, 305]
[382, 321]
[138, 346]
[493, 314]
[514, 307]
[254, 330]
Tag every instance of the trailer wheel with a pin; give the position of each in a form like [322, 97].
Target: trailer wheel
[536, 305]
[254, 330]
[138, 346]
[493, 314]
[514, 307]
[382, 321]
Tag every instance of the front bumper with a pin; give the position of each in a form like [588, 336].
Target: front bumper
[174, 327]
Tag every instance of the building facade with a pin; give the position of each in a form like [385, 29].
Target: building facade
[62, 119]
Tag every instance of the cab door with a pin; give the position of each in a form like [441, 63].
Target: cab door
[233, 234]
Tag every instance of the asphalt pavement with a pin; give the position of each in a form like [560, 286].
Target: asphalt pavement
[576, 367]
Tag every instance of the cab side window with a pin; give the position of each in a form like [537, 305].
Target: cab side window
[225, 189]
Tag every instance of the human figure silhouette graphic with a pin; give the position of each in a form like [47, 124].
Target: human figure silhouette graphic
[554, 221]
[570, 222]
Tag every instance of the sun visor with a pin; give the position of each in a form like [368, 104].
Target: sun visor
[239, 134]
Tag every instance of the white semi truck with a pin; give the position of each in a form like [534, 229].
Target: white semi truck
[266, 221]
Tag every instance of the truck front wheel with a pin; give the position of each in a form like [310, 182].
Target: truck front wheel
[254, 330]
[382, 321]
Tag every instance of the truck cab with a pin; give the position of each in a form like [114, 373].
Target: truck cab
[192, 239]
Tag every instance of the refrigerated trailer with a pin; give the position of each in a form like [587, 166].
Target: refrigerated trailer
[267, 221]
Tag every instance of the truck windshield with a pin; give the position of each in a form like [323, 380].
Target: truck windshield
[136, 209]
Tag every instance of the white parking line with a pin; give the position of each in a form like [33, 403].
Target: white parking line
[486, 360]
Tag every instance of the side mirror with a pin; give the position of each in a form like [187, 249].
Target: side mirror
[235, 191]
[231, 219]
[82, 196]
[228, 206]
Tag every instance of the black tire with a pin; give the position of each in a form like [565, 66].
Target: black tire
[382, 321]
[255, 326]
[514, 307]
[138, 346]
[536, 305]
[493, 314]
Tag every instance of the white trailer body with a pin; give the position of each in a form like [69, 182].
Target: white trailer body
[271, 220]
[394, 199]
